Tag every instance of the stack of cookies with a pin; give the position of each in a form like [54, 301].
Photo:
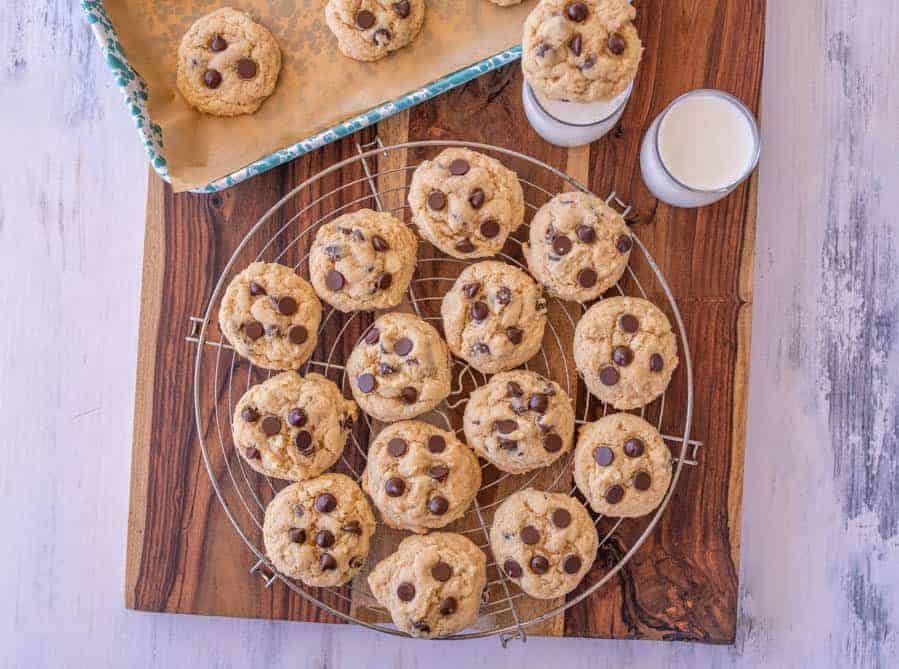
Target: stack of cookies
[418, 477]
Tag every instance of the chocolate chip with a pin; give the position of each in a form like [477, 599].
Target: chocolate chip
[539, 564]
[249, 414]
[480, 349]
[541, 49]
[561, 245]
[504, 295]
[254, 330]
[256, 289]
[505, 426]
[365, 19]
[325, 502]
[589, 62]
[395, 486]
[464, 246]
[357, 561]
[575, 45]
[561, 518]
[298, 509]
[438, 472]
[576, 11]
[252, 453]
[436, 200]
[297, 535]
[586, 234]
[489, 228]
[514, 335]
[358, 235]
[642, 481]
[538, 403]
[303, 442]
[352, 527]
[552, 443]
[381, 36]
[448, 606]
[378, 243]
[403, 346]
[297, 334]
[365, 383]
[334, 280]
[476, 198]
[397, 447]
[587, 277]
[629, 323]
[616, 44]
[327, 562]
[513, 389]
[324, 539]
[422, 626]
[436, 443]
[624, 243]
[471, 289]
[622, 356]
[459, 167]
[246, 68]
[571, 564]
[372, 336]
[603, 456]
[385, 370]
[442, 572]
[479, 311]
[218, 43]
[633, 447]
[656, 363]
[614, 494]
[507, 444]
[438, 505]
[271, 425]
[402, 8]
[608, 375]
[512, 568]
[405, 591]
[530, 535]
[287, 306]
[409, 395]
[212, 78]
[384, 281]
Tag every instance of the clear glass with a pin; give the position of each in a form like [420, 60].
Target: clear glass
[664, 185]
[565, 126]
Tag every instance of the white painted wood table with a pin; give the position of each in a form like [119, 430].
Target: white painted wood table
[820, 553]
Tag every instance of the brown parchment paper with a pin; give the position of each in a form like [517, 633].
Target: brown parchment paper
[318, 86]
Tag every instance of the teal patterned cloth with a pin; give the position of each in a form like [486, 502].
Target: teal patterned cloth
[134, 90]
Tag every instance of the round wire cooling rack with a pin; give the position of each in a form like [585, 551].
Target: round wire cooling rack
[284, 235]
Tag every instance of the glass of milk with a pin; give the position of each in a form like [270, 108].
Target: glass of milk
[566, 123]
[702, 146]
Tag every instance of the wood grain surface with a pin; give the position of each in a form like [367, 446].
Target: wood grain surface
[818, 549]
[683, 583]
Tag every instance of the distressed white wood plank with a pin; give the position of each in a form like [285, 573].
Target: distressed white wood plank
[820, 557]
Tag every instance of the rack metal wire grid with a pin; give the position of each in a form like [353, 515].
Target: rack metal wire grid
[221, 377]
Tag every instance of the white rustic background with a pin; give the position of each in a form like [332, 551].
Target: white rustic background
[820, 568]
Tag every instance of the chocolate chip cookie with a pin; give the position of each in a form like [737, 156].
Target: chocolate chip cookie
[625, 350]
[292, 427]
[494, 316]
[419, 476]
[227, 64]
[581, 50]
[371, 29]
[400, 368]
[270, 315]
[319, 531]
[432, 584]
[519, 421]
[622, 465]
[363, 261]
[466, 203]
[579, 246]
[545, 542]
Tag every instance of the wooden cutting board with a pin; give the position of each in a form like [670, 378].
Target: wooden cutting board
[183, 554]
